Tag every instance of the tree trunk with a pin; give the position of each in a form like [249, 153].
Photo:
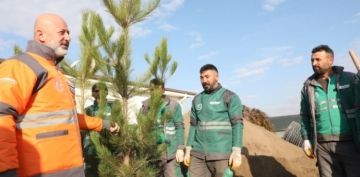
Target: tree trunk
[125, 109]
[126, 160]
[82, 99]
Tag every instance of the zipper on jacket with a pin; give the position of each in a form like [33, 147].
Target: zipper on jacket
[205, 128]
[328, 107]
[72, 99]
[330, 118]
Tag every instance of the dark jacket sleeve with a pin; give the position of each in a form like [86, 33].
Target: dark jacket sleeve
[305, 115]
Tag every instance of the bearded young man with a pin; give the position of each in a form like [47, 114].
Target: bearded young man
[216, 128]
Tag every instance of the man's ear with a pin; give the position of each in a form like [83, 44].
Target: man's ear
[217, 77]
[40, 36]
[331, 60]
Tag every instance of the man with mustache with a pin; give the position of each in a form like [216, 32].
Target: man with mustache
[216, 128]
[39, 126]
[329, 116]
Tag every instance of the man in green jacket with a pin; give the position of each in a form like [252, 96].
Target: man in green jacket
[99, 90]
[216, 128]
[170, 131]
[330, 117]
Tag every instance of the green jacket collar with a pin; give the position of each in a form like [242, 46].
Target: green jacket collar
[312, 79]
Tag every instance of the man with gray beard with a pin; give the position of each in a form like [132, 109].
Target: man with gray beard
[39, 125]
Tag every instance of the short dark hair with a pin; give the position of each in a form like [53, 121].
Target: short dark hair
[97, 86]
[157, 82]
[322, 47]
[208, 67]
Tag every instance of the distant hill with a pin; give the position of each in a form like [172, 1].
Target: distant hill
[280, 123]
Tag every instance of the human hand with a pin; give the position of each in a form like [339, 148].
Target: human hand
[114, 128]
[187, 155]
[308, 149]
[235, 158]
[179, 155]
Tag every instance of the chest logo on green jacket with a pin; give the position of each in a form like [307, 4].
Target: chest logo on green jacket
[214, 102]
[198, 107]
[343, 86]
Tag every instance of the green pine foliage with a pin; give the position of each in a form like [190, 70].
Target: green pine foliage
[17, 50]
[91, 61]
[160, 65]
[133, 151]
[102, 100]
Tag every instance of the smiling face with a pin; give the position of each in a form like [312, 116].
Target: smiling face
[322, 62]
[52, 31]
[209, 79]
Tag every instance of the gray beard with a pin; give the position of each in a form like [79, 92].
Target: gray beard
[60, 52]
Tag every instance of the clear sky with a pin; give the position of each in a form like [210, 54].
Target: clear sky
[261, 47]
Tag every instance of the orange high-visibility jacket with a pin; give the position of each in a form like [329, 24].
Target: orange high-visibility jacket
[39, 132]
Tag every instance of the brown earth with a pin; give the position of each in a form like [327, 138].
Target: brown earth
[266, 155]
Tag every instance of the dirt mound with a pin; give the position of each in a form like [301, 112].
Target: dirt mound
[257, 117]
[266, 155]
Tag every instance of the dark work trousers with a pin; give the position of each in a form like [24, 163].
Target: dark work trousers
[338, 159]
[170, 168]
[207, 168]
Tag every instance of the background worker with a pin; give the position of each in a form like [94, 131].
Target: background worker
[170, 131]
[99, 92]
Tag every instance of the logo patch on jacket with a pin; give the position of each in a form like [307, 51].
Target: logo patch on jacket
[198, 107]
[59, 85]
[343, 86]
